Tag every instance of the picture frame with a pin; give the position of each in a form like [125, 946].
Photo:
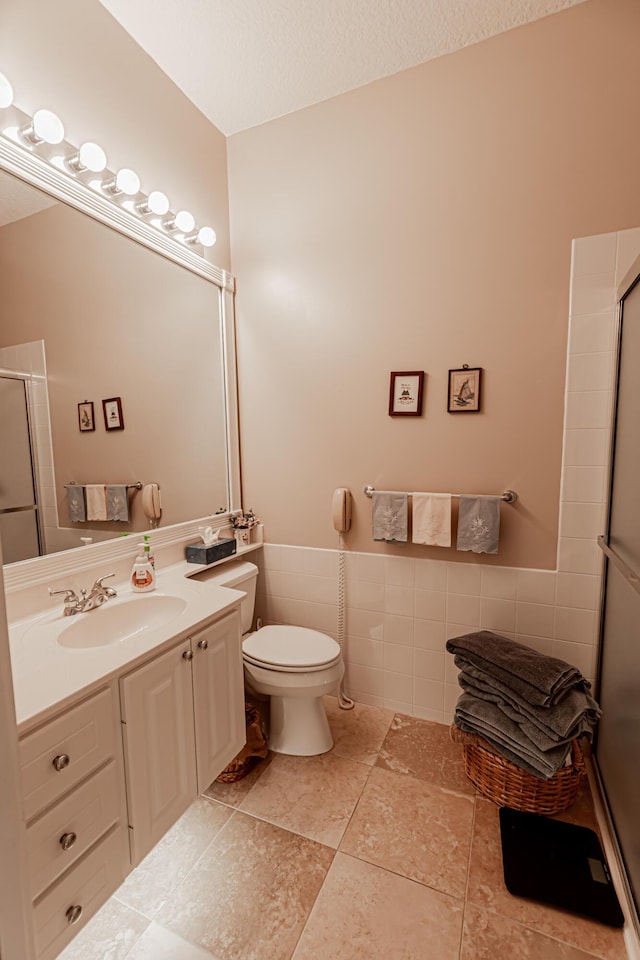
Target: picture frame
[112, 409]
[405, 393]
[464, 389]
[86, 418]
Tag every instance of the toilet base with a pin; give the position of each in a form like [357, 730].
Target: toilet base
[299, 726]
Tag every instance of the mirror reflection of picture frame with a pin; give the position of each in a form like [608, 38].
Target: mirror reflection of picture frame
[405, 393]
[112, 409]
[86, 419]
[464, 390]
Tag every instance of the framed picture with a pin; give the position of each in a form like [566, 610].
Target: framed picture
[112, 409]
[464, 390]
[86, 419]
[405, 393]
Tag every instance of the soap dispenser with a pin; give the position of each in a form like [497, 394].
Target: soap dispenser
[143, 576]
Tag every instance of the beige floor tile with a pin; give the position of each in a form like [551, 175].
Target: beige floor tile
[158, 943]
[234, 793]
[424, 750]
[487, 936]
[148, 886]
[358, 734]
[486, 889]
[111, 933]
[249, 895]
[413, 828]
[366, 913]
[313, 796]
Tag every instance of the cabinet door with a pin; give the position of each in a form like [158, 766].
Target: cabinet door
[159, 747]
[218, 693]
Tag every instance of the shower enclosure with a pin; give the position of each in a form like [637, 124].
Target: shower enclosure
[19, 530]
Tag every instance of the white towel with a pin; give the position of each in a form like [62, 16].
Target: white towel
[432, 519]
[96, 497]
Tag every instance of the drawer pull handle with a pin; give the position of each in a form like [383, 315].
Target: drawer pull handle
[187, 655]
[67, 840]
[203, 644]
[73, 913]
[61, 761]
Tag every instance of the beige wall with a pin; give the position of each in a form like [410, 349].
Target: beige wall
[423, 222]
[73, 57]
[118, 320]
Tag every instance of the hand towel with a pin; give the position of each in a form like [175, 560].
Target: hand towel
[96, 496]
[389, 516]
[75, 502]
[538, 679]
[432, 519]
[479, 524]
[117, 502]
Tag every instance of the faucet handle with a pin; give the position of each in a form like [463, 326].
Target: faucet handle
[70, 596]
[108, 590]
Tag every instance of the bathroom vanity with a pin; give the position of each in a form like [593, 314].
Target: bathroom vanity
[122, 723]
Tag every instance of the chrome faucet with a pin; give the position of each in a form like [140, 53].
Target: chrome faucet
[73, 603]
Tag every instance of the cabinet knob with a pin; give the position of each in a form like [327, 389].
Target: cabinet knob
[187, 655]
[67, 840]
[203, 644]
[61, 761]
[73, 913]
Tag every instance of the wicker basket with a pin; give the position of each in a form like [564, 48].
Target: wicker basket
[507, 785]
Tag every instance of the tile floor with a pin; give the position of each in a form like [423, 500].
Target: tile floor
[378, 850]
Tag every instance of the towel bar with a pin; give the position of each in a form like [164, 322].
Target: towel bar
[509, 496]
[137, 486]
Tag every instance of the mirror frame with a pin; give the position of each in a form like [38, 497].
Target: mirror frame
[32, 169]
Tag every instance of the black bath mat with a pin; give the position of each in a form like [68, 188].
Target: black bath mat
[557, 863]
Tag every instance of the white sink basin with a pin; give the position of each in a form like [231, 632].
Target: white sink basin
[120, 621]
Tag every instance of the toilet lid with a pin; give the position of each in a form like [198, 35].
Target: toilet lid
[292, 647]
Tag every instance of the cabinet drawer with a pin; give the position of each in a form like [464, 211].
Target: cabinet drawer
[85, 735]
[82, 891]
[61, 835]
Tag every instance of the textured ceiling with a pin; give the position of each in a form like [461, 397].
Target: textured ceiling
[248, 61]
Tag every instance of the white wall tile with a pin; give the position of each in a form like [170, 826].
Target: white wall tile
[464, 578]
[398, 659]
[588, 409]
[361, 697]
[576, 625]
[583, 484]
[541, 644]
[429, 634]
[430, 574]
[497, 615]
[429, 665]
[424, 713]
[370, 567]
[430, 604]
[581, 520]
[578, 590]
[365, 623]
[463, 609]
[399, 600]
[579, 556]
[590, 371]
[399, 571]
[593, 293]
[535, 619]
[595, 255]
[579, 655]
[586, 448]
[367, 595]
[398, 629]
[592, 334]
[398, 706]
[398, 687]
[366, 679]
[536, 586]
[428, 694]
[367, 653]
[499, 582]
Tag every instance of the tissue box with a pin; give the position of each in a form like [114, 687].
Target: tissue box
[209, 553]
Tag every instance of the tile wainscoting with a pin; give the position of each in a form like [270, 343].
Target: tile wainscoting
[400, 611]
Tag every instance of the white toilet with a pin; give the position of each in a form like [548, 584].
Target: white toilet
[293, 666]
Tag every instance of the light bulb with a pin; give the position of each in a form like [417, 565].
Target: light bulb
[127, 181]
[206, 236]
[6, 92]
[185, 221]
[158, 203]
[89, 157]
[45, 127]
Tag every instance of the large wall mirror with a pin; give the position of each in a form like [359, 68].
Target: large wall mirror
[89, 314]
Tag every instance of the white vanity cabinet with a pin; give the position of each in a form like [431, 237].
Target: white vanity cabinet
[73, 800]
[183, 721]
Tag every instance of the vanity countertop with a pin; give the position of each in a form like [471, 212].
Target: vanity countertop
[47, 675]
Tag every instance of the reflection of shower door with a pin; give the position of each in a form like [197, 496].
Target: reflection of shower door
[18, 508]
[618, 741]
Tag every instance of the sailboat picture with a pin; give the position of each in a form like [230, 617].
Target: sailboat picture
[464, 389]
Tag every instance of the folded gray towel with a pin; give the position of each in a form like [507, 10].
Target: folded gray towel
[574, 716]
[487, 720]
[389, 517]
[117, 502]
[538, 679]
[75, 503]
[479, 524]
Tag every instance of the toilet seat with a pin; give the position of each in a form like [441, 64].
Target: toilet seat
[290, 649]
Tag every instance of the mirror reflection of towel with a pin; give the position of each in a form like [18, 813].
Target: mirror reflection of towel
[432, 519]
[479, 524]
[96, 501]
[117, 502]
[389, 516]
[75, 502]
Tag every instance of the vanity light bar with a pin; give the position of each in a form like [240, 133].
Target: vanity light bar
[45, 129]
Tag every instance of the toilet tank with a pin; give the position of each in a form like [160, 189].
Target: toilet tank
[241, 575]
